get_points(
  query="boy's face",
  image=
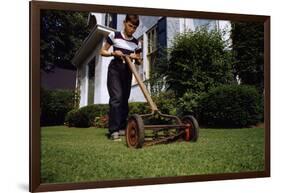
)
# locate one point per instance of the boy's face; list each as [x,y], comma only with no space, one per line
[129,28]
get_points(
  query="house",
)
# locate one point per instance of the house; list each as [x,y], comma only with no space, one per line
[154,32]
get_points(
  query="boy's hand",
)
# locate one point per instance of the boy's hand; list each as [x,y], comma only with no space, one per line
[134,56]
[118,53]
[137,58]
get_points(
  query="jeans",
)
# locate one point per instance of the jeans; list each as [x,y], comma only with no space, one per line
[119,80]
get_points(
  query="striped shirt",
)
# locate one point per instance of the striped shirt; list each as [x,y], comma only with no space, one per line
[126,46]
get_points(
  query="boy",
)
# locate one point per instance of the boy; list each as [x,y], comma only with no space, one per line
[119,77]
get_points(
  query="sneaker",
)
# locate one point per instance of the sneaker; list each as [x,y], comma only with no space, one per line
[122,132]
[115,136]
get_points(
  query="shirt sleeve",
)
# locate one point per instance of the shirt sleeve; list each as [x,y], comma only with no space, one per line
[139,47]
[110,38]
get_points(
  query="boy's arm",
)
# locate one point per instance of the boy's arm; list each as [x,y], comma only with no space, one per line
[105,51]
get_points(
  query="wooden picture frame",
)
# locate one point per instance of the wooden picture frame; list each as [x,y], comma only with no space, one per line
[35,134]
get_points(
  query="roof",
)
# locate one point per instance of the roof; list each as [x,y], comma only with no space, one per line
[96,35]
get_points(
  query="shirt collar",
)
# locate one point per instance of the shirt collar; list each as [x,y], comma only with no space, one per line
[123,35]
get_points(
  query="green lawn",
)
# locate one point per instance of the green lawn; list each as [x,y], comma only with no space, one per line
[85,154]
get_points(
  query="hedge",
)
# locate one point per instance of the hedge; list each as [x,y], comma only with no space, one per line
[54,106]
[231,106]
[188,104]
[96,115]
[224,106]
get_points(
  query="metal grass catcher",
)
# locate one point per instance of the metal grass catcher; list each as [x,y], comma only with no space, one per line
[145,130]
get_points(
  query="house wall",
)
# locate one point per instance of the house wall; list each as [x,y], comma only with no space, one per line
[173,28]
[101,93]
[120,19]
[146,22]
[145,61]
[185,24]
[83,70]
[136,94]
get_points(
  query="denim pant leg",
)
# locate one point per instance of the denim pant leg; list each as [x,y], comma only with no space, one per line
[119,86]
[126,83]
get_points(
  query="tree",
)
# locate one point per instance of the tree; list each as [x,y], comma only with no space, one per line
[61,34]
[198,62]
[248,47]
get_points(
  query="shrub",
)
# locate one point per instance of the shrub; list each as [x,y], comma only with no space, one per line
[96,115]
[231,106]
[198,62]
[86,116]
[77,118]
[54,106]
[101,122]
[188,104]
[166,102]
[95,110]
[138,108]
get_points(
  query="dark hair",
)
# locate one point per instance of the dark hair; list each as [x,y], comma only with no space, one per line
[134,19]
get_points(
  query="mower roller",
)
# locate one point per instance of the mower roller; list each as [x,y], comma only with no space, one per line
[139,134]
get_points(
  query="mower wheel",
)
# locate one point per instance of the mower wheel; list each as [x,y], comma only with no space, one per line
[192,126]
[135,132]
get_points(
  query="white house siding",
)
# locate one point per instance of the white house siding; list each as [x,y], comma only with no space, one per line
[185,24]
[145,61]
[98,72]
[136,94]
[101,93]
[146,22]
[173,28]
[120,19]
[101,66]
[84,85]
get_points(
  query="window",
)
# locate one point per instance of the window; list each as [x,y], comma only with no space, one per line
[139,68]
[152,47]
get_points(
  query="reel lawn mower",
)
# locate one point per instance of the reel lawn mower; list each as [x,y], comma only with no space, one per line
[140,132]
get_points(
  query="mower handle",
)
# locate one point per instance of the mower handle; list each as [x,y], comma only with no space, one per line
[141,84]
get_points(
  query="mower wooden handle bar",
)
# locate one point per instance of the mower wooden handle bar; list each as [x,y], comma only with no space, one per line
[141,84]
[154,109]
